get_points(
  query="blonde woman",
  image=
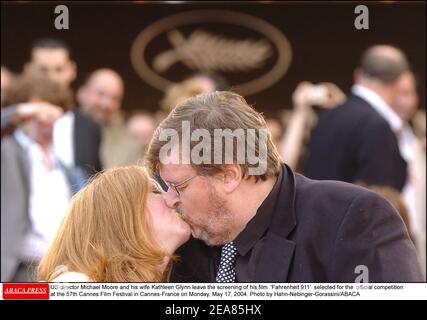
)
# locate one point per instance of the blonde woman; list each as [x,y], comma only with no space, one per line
[117,229]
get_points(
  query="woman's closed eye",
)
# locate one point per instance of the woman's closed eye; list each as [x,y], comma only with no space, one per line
[155,191]
[155,187]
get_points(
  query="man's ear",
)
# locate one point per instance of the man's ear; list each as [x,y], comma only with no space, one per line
[73,71]
[27,68]
[356,75]
[80,95]
[231,175]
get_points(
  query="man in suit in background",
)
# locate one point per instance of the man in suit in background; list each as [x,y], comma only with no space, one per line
[77,137]
[257,221]
[357,141]
[100,97]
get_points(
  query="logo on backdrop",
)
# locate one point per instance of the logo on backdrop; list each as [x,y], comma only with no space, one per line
[249,52]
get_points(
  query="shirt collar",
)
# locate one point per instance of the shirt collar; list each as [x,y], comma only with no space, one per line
[380,106]
[24,141]
[260,222]
[28,144]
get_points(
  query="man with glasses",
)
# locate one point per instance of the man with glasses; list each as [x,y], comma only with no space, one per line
[273,226]
[176,187]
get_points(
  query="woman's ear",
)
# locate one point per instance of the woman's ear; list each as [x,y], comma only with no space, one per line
[231,177]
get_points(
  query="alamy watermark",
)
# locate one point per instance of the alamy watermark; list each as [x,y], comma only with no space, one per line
[362,20]
[363,274]
[62,21]
[241,146]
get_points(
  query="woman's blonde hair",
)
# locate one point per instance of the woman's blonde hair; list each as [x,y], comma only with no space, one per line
[106,233]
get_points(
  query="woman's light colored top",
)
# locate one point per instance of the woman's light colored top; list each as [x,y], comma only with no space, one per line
[68,276]
[72,277]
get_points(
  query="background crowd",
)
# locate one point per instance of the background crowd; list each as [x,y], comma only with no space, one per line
[54,139]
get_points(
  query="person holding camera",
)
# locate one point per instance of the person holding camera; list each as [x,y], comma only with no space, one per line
[358,140]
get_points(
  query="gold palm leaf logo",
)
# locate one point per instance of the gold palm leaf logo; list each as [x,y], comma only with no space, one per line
[205,51]
[260,61]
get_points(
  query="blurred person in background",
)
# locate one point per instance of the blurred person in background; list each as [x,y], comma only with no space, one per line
[128,236]
[275,127]
[76,137]
[6,78]
[51,58]
[357,141]
[20,109]
[100,97]
[14,115]
[141,126]
[413,151]
[307,99]
[191,86]
[35,185]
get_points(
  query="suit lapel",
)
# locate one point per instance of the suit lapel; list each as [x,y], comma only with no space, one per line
[276,257]
[277,251]
[24,165]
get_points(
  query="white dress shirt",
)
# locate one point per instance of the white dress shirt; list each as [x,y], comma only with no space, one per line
[63,139]
[48,199]
[406,140]
[385,111]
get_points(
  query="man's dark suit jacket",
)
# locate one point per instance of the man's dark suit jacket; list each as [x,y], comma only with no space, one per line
[87,140]
[317,231]
[354,143]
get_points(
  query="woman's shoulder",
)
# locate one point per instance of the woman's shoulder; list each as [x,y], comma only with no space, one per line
[72,277]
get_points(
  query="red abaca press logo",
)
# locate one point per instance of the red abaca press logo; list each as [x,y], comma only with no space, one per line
[26,291]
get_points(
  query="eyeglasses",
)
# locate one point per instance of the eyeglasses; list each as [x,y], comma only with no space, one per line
[155,186]
[176,185]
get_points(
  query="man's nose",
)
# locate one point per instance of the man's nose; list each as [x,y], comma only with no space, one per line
[170,198]
[106,104]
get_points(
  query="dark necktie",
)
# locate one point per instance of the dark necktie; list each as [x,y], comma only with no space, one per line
[226,270]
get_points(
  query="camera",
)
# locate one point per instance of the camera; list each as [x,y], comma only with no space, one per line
[317,95]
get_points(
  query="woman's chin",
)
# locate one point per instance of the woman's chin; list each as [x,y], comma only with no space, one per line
[184,235]
[182,232]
